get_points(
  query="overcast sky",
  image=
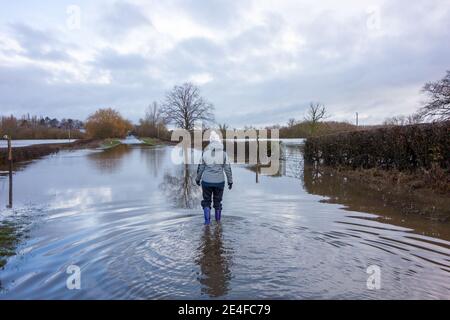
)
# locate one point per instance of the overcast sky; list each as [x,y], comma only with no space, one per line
[259,62]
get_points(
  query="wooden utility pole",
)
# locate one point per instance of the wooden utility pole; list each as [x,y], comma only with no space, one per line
[257,156]
[10,163]
[10,160]
[357,119]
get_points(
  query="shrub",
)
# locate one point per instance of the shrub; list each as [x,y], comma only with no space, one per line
[107,123]
[400,147]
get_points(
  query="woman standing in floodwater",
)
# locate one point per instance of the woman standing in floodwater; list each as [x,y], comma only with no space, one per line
[211,174]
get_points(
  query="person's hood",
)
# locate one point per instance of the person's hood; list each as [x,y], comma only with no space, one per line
[215,145]
[214,137]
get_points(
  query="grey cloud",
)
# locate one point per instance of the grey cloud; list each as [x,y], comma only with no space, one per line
[113,60]
[365,73]
[215,13]
[193,56]
[121,18]
[279,115]
[38,44]
[25,90]
[127,69]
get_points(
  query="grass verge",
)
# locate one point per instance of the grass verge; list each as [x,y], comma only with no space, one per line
[110,143]
[9,237]
[150,141]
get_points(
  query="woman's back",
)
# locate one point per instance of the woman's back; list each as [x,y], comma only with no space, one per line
[215,163]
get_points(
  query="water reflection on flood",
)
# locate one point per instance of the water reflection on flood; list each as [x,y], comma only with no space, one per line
[389,206]
[214,262]
[131,219]
[110,160]
[180,188]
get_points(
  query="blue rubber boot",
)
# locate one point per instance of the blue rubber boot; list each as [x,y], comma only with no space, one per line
[207,214]
[218,214]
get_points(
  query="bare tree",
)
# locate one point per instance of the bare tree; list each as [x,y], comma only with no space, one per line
[316,112]
[153,123]
[184,106]
[402,120]
[180,188]
[395,121]
[223,129]
[414,118]
[438,108]
[153,114]
[291,122]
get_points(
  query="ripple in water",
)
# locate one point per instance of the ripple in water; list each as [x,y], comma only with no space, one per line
[137,234]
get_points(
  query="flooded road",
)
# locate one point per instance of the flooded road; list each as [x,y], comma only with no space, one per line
[131,220]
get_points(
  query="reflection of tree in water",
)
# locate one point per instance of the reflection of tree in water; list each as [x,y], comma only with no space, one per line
[328,182]
[181,189]
[110,160]
[358,196]
[214,263]
[317,180]
[153,158]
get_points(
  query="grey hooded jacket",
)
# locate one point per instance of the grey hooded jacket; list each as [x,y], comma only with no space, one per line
[214,163]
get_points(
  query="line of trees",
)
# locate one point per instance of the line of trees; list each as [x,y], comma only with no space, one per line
[402,120]
[33,127]
[436,109]
[314,123]
[184,107]
[153,125]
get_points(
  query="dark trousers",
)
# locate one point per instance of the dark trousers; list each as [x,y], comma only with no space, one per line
[215,193]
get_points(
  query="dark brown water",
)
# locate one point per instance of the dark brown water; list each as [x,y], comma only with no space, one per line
[131,220]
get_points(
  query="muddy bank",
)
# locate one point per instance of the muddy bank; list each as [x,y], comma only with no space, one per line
[28,153]
[435,181]
[389,193]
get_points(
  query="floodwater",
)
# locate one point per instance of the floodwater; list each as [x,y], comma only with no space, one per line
[130,219]
[131,140]
[26,143]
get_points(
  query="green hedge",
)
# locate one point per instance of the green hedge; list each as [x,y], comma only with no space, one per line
[399,147]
